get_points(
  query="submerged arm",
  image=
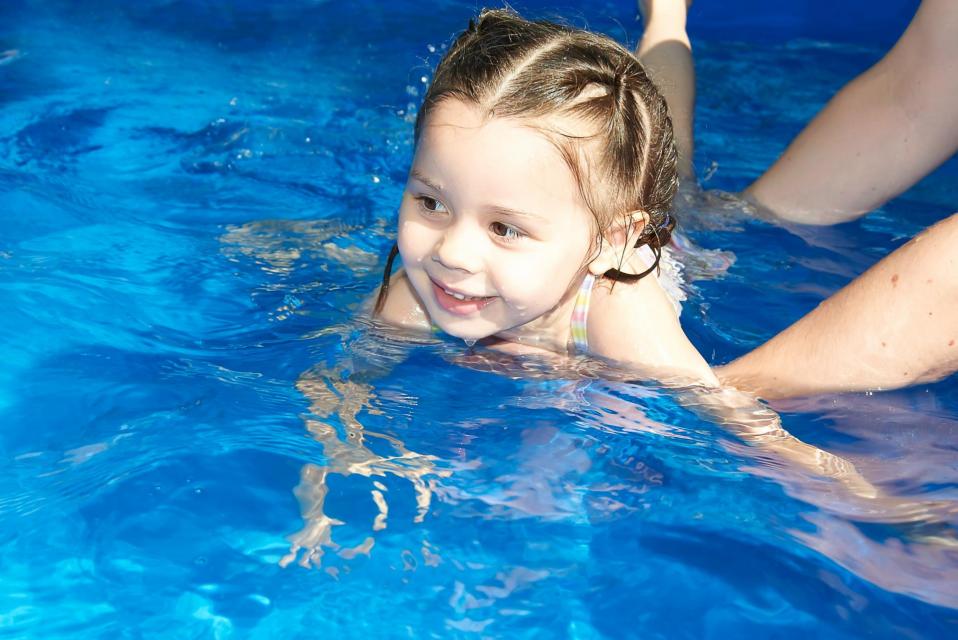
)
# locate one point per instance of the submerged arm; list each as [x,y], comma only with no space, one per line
[760,427]
[651,344]
[338,394]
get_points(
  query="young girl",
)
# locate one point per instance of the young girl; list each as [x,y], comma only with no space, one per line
[538,202]
[534,218]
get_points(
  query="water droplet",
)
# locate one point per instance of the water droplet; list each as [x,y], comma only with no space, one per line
[469,342]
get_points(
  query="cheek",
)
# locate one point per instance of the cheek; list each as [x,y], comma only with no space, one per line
[413,240]
[540,279]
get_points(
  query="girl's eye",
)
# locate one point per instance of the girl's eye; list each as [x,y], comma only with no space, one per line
[431,204]
[505,232]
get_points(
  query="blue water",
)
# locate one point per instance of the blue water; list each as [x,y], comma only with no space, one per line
[194,202]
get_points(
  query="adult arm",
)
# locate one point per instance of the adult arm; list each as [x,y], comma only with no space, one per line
[879,135]
[893,326]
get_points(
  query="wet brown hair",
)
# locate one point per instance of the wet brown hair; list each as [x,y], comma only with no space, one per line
[516,68]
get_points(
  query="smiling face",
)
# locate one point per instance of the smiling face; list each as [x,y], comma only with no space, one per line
[493,232]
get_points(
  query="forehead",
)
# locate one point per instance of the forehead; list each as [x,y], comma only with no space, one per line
[503,158]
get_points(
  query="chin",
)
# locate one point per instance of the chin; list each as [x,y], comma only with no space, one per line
[466,333]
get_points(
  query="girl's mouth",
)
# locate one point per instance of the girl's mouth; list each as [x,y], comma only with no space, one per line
[458,303]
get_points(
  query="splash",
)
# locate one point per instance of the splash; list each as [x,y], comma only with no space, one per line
[469,342]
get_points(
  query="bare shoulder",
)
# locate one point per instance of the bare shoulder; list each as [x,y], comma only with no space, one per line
[635,323]
[402,307]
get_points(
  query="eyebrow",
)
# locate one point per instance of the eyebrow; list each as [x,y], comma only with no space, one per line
[515,213]
[493,208]
[423,179]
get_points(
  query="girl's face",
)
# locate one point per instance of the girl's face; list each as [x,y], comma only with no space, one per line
[493,232]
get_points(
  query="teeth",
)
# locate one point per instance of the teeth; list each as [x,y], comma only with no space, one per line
[459,296]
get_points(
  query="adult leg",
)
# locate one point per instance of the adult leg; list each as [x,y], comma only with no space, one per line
[666,54]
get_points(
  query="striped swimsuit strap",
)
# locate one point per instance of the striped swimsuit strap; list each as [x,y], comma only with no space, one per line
[580,315]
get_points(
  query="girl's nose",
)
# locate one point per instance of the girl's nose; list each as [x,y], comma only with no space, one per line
[459,249]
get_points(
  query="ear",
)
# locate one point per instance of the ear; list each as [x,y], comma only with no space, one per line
[617,250]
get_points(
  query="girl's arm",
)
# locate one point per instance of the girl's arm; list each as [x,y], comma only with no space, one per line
[893,326]
[666,55]
[635,324]
[879,135]
[760,430]
[760,427]
[338,395]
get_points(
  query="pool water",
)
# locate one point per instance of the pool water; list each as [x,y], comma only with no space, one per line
[204,439]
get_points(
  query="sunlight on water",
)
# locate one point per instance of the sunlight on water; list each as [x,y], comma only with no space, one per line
[206,433]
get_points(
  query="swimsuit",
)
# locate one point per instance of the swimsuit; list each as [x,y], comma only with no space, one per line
[669,277]
[580,315]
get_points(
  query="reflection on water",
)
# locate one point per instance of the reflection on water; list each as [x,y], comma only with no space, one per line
[576,472]
[587,449]
[907,561]
[160,316]
[917,550]
[346,453]
[280,246]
